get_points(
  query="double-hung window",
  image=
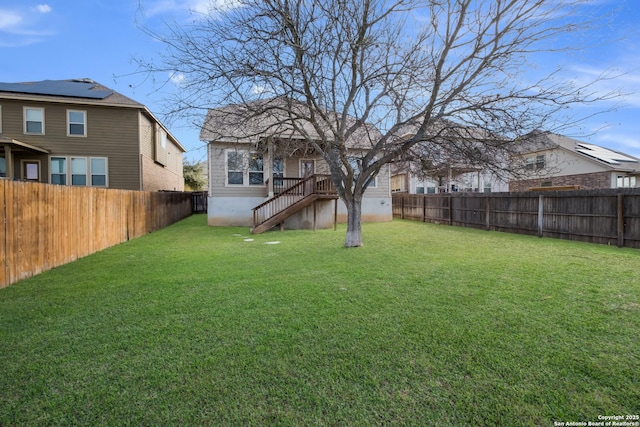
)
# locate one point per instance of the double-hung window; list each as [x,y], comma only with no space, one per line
[85,171]
[98,171]
[76,123]
[58,170]
[256,170]
[34,121]
[355,164]
[235,166]
[78,171]
[244,168]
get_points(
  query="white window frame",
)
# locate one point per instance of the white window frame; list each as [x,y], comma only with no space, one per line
[0,118]
[626,181]
[356,172]
[246,171]
[51,169]
[92,174]
[89,174]
[72,174]
[24,120]
[84,124]
[24,170]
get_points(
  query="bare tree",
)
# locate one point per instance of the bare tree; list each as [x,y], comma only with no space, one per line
[402,67]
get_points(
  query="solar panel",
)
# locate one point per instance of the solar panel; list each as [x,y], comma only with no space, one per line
[70,88]
[604,154]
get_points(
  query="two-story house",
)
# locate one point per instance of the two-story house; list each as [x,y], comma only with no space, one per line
[548,160]
[79,132]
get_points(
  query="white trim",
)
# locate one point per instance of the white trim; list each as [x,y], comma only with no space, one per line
[22,170]
[68,172]
[84,124]
[0,119]
[246,159]
[24,120]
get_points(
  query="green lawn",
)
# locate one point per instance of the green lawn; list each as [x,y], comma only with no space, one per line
[424,325]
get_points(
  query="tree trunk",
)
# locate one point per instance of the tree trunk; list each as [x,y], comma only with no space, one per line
[354,223]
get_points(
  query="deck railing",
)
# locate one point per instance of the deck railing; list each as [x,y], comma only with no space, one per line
[299,189]
[281,184]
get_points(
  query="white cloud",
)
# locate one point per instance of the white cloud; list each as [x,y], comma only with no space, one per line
[207,6]
[177,79]
[43,8]
[21,27]
[9,20]
[204,7]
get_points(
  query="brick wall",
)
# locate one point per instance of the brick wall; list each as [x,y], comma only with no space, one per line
[588,181]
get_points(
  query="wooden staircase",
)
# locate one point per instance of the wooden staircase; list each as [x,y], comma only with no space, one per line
[295,198]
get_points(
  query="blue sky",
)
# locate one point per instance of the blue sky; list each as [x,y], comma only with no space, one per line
[63,39]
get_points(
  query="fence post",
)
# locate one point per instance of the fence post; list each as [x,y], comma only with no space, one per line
[424,208]
[620,220]
[540,213]
[450,210]
[487,212]
[402,206]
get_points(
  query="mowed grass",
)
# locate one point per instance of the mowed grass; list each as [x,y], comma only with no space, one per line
[424,325]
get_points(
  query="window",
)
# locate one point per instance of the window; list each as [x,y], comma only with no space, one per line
[79,171]
[540,162]
[98,172]
[76,123]
[235,174]
[487,187]
[30,170]
[626,181]
[59,170]
[3,167]
[34,120]
[244,168]
[419,190]
[256,170]
[356,172]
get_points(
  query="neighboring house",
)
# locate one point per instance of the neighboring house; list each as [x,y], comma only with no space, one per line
[263,179]
[453,159]
[78,132]
[455,178]
[554,161]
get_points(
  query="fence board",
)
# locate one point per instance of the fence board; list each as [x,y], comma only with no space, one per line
[598,216]
[44,226]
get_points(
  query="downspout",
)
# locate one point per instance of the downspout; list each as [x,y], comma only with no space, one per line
[269,166]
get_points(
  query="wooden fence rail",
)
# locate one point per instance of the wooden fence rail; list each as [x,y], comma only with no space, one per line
[44,226]
[599,216]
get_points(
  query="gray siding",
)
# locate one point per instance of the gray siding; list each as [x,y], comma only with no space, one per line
[217,177]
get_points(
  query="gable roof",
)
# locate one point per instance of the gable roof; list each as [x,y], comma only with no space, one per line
[615,160]
[255,121]
[77,91]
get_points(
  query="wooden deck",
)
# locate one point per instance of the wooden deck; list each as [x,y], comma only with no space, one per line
[290,200]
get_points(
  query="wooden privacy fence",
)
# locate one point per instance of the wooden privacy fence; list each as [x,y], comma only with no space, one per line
[45,226]
[599,216]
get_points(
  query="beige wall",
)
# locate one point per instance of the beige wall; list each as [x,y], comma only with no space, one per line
[217,174]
